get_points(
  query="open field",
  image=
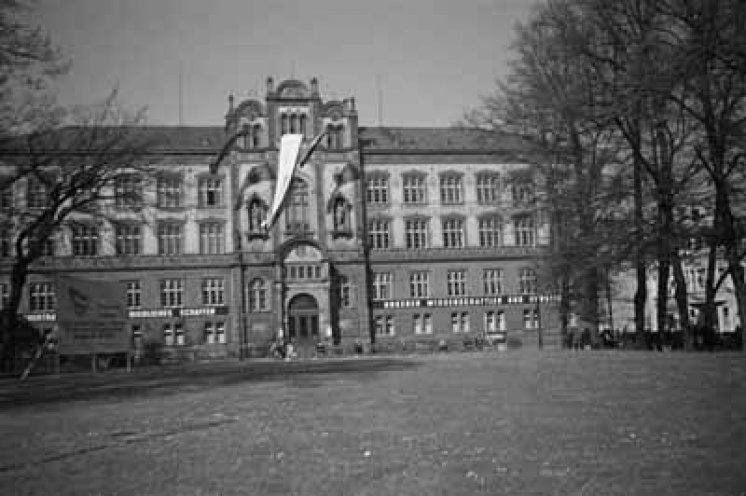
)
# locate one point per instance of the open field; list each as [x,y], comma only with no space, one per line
[593,423]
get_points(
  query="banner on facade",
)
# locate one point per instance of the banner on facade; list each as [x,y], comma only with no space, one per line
[290,158]
[91,316]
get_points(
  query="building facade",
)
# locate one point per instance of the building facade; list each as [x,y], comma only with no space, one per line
[388,235]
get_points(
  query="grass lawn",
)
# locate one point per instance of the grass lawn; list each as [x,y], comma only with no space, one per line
[521,422]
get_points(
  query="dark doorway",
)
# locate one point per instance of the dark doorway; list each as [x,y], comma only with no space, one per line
[303,321]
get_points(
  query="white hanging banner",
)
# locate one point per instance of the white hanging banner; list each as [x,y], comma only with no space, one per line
[289,151]
[289,148]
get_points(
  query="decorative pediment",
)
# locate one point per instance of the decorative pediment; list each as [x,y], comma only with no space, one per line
[292,88]
[304,253]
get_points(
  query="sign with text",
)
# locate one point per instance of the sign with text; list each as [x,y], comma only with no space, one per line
[91,316]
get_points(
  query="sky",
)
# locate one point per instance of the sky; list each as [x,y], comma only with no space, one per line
[431,59]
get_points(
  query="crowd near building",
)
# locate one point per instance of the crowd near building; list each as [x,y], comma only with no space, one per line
[388,234]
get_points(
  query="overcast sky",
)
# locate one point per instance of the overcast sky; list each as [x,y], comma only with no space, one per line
[433,57]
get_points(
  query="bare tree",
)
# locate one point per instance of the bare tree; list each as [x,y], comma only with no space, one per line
[28,62]
[551,97]
[63,179]
[711,66]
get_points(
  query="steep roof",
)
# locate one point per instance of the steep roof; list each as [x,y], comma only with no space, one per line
[389,138]
[440,138]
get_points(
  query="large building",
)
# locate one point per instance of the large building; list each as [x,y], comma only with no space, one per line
[389,235]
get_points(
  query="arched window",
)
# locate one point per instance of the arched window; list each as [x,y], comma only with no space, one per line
[250,137]
[258,301]
[297,210]
[334,136]
[284,124]
[257,212]
[528,281]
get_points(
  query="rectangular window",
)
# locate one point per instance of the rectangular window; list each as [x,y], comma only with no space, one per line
[494,321]
[345,292]
[527,281]
[417,233]
[384,325]
[493,281]
[6,194]
[258,296]
[456,282]
[4,294]
[128,191]
[172,293]
[46,246]
[378,234]
[381,286]
[414,190]
[169,238]
[490,231]
[460,322]
[209,192]
[6,242]
[84,240]
[488,189]
[419,284]
[422,323]
[173,335]
[523,193]
[211,238]
[169,191]
[524,231]
[451,190]
[377,189]
[453,233]
[128,239]
[213,292]
[37,196]
[530,319]
[490,321]
[214,332]
[168,335]
[41,297]
[134,294]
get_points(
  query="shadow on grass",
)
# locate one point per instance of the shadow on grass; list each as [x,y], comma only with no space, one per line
[174,380]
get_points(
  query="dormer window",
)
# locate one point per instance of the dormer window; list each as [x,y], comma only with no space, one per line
[293,122]
[334,136]
[249,137]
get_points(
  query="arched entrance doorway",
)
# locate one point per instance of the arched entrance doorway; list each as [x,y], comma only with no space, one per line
[303,320]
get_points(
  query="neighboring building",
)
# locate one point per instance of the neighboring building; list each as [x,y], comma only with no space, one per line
[387,234]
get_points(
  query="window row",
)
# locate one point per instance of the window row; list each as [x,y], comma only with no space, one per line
[489,189]
[129,192]
[86,239]
[460,322]
[453,232]
[42,296]
[456,283]
[174,335]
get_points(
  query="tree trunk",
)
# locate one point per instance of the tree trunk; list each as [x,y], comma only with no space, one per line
[641,293]
[9,315]
[681,295]
[709,310]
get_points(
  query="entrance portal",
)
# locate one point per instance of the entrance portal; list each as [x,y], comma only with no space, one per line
[303,320]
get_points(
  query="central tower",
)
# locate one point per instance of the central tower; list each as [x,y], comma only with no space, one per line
[306,275]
